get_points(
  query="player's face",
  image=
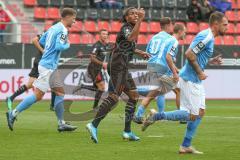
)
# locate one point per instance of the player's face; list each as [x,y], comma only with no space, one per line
[132,16]
[222,26]
[182,33]
[104,36]
[70,20]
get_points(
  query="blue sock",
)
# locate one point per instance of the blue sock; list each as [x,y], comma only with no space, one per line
[161,103]
[59,108]
[177,115]
[26,103]
[191,131]
[140,111]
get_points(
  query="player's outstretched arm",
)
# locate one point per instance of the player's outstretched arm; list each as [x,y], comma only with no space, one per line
[142,54]
[192,58]
[36,43]
[216,60]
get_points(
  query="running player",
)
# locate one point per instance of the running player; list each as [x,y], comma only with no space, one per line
[192,95]
[54,41]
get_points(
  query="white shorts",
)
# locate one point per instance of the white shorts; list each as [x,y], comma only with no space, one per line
[42,82]
[192,96]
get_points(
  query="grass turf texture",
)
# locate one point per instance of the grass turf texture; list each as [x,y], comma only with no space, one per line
[35,136]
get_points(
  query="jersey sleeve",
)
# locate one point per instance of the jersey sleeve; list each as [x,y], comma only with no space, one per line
[62,42]
[172,48]
[95,49]
[42,39]
[125,31]
[200,42]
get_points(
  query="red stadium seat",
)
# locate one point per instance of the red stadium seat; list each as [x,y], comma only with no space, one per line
[189,39]
[29,3]
[231,16]
[238,40]
[203,26]
[87,39]
[76,27]
[53,13]
[48,24]
[192,27]
[149,37]
[103,25]
[238,15]
[90,26]
[144,27]
[115,26]
[234,4]
[74,38]
[112,38]
[142,39]
[228,40]
[39,13]
[231,28]
[154,27]
[237,28]
[218,41]
[96,37]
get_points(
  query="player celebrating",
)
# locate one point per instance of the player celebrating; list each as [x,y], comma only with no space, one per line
[163,47]
[54,41]
[120,78]
[192,95]
[33,75]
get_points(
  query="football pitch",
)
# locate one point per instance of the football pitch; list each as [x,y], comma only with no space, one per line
[35,136]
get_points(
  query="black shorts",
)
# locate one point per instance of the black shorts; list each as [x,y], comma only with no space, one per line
[95,75]
[34,71]
[121,81]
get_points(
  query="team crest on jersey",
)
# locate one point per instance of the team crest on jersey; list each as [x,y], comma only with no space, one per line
[63,37]
[199,47]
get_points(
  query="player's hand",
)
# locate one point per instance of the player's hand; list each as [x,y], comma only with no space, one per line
[104,66]
[192,117]
[217,60]
[202,76]
[141,14]
[175,77]
[145,55]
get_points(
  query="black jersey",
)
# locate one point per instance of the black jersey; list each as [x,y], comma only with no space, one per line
[124,49]
[100,50]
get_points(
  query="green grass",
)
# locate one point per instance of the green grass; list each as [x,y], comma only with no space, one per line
[35,136]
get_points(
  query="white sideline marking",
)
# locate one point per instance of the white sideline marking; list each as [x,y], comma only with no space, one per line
[155,136]
[222,117]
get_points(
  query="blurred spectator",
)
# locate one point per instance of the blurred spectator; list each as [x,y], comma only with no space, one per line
[4,18]
[194,11]
[108,4]
[207,9]
[221,5]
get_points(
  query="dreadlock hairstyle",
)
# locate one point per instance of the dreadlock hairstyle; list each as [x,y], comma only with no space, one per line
[125,13]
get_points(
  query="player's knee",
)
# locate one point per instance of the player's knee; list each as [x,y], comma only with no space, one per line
[201,112]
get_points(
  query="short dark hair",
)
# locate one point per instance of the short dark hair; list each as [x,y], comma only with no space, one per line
[216,17]
[125,13]
[102,30]
[68,12]
[165,21]
[178,27]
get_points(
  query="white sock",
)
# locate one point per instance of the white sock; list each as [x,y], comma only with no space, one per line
[60,122]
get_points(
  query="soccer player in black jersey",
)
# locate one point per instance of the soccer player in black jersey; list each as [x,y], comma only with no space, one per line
[33,75]
[100,52]
[120,78]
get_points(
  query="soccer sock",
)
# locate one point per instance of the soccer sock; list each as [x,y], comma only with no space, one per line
[53,96]
[20,90]
[129,112]
[25,104]
[104,108]
[160,103]
[190,132]
[172,115]
[91,88]
[140,111]
[98,96]
[59,108]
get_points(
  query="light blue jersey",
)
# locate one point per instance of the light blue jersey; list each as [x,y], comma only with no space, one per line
[202,46]
[159,46]
[54,41]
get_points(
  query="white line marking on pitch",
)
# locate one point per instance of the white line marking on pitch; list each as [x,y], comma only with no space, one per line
[155,136]
[222,117]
